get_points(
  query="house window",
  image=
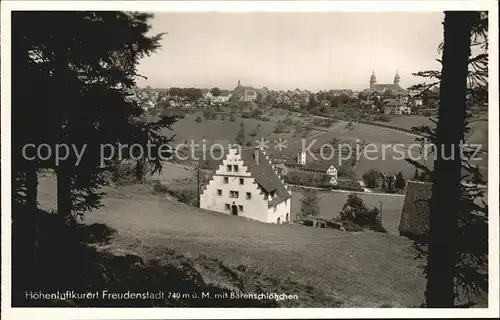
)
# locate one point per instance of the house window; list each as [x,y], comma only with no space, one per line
[228,206]
[240,208]
[229,168]
[275,208]
[242,181]
[233,194]
[219,192]
[286,202]
[226,180]
[249,196]
[235,168]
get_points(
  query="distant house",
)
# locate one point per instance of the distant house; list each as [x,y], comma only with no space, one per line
[224,96]
[246,184]
[247,94]
[370,104]
[394,106]
[281,169]
[323,167]
[186,104]
[301,158]
[250,95]
[325,103]
[207,95]
[414,221]
[287,99]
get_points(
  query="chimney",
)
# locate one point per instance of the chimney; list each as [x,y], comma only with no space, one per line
[256,154]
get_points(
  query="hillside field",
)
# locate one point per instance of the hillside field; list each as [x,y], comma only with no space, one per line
[327,267]
[384,159]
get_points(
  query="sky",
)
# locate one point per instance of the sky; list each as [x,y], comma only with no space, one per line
[309,50]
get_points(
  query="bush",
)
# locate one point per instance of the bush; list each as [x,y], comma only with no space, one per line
[279,128]
[232,118]
[184,195]
[355,212]
[223,117]
[123,173]
[288,121]
[207,114]
[256,113]
[198,119]
[371,178]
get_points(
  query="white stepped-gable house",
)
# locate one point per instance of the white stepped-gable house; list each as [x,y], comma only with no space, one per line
[246,184]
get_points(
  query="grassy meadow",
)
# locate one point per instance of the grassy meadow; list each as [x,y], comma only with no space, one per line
[324,267]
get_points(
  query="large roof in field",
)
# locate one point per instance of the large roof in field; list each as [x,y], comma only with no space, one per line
[415,212]
[263,172]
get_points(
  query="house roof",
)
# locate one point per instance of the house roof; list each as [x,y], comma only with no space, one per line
[242,89]
[415,211]
[392,102]
[263,173]
[388,86]
[320,165]
[303,175]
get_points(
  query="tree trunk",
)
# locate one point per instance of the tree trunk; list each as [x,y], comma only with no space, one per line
[64,203]
[445,201]
[31,187]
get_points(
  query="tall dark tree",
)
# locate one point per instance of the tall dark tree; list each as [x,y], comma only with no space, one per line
[309,205]
[457,242]
[446,192]
[400,182]
[240,136]
[67,94]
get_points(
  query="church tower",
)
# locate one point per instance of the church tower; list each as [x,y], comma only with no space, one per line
[397,78]
[373,80]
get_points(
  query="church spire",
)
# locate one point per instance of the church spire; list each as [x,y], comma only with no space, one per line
[397,78]
[373,79]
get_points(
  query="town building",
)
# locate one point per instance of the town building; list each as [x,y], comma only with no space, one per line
[301,158]
[381,88]
[246,184]
[242,93]
[323,167]
[223,97]
[325,103]
[206,94]
[396,106]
